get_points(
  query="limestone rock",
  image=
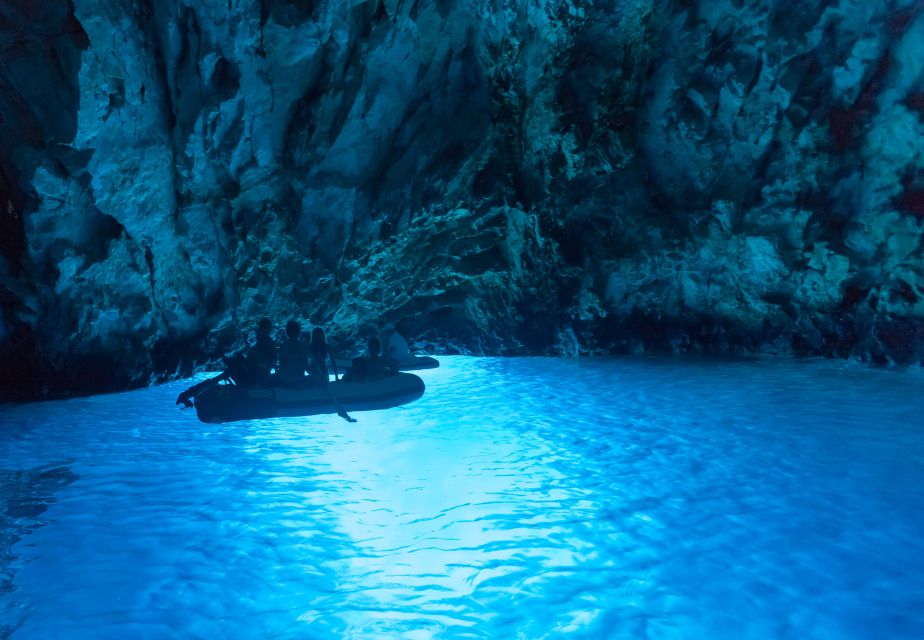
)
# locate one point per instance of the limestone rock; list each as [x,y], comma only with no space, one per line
[559,176]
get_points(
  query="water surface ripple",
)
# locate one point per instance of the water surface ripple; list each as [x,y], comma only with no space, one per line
[520,498]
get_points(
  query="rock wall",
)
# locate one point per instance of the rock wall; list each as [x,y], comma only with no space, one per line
[512,177]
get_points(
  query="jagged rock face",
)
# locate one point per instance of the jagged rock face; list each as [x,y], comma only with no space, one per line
[511,177]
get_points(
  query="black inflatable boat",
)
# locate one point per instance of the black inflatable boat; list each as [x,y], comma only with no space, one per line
[228,402]
[411,363]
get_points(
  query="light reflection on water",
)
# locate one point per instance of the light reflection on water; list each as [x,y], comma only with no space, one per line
[529,498]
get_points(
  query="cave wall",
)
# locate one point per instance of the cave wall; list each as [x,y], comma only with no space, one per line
[554,176]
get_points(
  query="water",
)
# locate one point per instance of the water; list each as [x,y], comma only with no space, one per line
[525,498]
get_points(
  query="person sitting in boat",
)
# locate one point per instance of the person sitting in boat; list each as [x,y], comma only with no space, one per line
[293,358]
[372,366]
[318,355]
[262,356]
[396,348]
[254,369]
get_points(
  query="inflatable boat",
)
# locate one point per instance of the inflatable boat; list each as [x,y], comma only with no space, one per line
[411,363]
[228,402]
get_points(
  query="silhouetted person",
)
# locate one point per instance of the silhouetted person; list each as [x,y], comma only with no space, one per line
[262,356]
[293,357]
[372,366]
[396,348]
[318,356]
[240,370]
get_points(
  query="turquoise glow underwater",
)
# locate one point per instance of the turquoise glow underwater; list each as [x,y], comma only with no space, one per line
[520,498]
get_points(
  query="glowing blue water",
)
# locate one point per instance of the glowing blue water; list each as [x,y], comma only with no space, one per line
[527,498]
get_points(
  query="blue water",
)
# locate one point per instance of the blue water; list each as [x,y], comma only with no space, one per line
[523,498]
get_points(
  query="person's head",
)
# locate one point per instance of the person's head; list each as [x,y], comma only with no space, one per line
[293,329]
[374,346]
[265,327]
[389,328]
